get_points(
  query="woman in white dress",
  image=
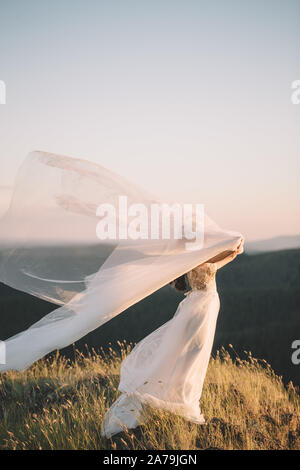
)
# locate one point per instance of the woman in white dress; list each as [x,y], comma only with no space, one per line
[51,250]
[167,368]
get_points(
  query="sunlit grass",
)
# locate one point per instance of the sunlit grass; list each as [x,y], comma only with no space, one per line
[58,404]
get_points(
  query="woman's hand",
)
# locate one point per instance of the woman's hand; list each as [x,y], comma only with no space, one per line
[240,248]
[219,264]
[227,256]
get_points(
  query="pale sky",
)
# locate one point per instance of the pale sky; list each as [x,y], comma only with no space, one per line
[190,99]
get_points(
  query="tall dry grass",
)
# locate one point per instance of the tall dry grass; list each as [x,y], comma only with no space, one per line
[57,404]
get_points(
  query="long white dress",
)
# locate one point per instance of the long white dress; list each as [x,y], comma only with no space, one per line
[167,368]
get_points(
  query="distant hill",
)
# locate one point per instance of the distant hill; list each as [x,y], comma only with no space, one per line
[260,311]
[273,244]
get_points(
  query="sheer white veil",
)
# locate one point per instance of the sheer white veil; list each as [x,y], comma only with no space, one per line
[49,249]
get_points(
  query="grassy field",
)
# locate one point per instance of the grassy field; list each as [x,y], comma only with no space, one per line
[59,404]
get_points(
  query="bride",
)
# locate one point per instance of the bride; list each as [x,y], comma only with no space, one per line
[167,368]
[50,250]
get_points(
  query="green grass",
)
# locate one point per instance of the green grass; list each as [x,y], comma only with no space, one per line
[58,404]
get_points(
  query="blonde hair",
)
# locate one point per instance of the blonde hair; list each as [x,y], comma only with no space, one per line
[200,276]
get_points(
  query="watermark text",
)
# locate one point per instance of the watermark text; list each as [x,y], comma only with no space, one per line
[295,96]
[156,221]
[2,352]
[296,354]
[2,92]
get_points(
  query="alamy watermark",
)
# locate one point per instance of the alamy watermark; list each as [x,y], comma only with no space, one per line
[2,352]
[295,96]
[156,221]
[2,92]
[296,354]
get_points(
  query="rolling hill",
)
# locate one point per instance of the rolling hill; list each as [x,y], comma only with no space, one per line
[287,242]
[260,311]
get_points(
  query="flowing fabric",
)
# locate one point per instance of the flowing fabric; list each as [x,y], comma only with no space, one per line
[167,368]
[50,250]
